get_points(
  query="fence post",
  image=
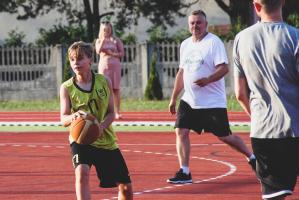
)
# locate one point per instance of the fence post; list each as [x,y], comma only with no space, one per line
[58,49]
[144,65]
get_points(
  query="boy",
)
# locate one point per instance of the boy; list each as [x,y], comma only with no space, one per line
[91,93]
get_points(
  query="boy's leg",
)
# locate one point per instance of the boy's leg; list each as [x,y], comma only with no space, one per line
[125,191]
[82,182]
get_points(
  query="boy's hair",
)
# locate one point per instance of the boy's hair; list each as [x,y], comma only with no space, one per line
[271,5]
[199,12]
[81,48]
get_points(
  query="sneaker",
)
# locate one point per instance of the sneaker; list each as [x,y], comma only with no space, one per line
[118,116]
[252,163]
[180,177]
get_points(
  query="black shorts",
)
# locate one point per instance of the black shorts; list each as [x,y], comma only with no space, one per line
[110,165]
[277,165]
[213,120]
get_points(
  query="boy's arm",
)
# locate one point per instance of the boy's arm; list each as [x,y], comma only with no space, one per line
[65,108]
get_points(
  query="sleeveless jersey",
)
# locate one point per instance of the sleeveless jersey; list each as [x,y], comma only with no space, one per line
[94,102]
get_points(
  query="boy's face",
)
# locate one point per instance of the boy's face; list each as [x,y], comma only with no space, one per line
[80,63]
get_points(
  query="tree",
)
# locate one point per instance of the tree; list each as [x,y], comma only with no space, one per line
[157,11]
[243,9]
[235,9]
[33,8]
[153,89]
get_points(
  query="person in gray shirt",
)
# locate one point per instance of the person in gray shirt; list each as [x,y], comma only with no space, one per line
[266,70]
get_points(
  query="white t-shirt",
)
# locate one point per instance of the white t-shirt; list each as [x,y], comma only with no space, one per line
[199,59]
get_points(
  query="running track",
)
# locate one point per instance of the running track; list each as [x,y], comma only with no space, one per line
[37,166]
[127,116]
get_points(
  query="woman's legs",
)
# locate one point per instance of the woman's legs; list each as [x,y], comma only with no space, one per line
[116,94]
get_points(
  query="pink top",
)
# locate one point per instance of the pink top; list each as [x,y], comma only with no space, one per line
[109,65]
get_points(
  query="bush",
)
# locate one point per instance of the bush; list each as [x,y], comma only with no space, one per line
[67,70]
[293,20]
[153,89]
[15,39]
[158,34]
[235,29]
[60,34]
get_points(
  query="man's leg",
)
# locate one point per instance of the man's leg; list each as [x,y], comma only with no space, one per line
[183,151]
[236,143]
[183,146]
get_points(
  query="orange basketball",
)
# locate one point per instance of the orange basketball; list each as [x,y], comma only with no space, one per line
[84,130]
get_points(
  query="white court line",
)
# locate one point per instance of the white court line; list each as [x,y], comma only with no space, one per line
[232,168]
[120,123]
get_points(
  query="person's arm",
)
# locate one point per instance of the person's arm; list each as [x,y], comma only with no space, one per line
[120,48]
[242,93]
[119,53]
[110,114]
[178,86]
[66,117]
[99,45]
[220,72]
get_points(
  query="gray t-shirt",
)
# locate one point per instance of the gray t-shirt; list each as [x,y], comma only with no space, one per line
[267,54]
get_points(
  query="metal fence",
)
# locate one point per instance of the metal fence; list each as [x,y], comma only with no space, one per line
[28,73]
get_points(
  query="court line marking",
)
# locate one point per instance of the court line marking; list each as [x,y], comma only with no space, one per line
[115,123]
[232,168]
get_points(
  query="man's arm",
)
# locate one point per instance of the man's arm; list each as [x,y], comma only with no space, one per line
[221,71]
[178,86]
[242,93]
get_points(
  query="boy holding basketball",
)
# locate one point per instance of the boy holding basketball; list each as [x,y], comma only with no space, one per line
[90,93]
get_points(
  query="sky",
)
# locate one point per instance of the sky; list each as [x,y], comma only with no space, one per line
[31,26]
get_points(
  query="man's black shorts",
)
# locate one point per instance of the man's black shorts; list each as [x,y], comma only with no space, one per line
[277,165]
[213,120]
[110,165]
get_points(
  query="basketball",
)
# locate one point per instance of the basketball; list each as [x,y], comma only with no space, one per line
[84,130]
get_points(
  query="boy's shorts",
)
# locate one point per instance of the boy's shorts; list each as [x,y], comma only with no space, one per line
[110,165]
[213,120]
[277,165]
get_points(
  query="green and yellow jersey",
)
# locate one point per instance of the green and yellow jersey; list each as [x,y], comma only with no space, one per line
[94,102]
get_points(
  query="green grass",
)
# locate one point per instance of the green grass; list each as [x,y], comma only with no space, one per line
[126,105]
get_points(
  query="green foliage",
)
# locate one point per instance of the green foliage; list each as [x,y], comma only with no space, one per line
[158,12]
[67,70]
[293,20]
[60,34]
[129,39]
[153,89]
[14,39]
[158,34]
[127,104]
[235,29]
[181,35]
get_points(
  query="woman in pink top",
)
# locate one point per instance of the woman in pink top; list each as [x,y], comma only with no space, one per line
[111,50]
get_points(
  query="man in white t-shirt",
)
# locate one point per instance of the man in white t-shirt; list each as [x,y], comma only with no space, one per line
[203,64]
